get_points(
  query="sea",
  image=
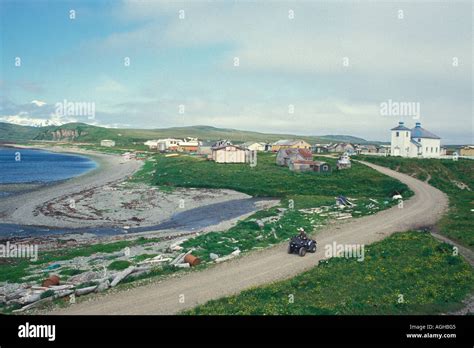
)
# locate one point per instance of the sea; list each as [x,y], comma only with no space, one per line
[38,167]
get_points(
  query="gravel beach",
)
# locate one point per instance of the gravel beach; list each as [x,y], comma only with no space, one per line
[104,198]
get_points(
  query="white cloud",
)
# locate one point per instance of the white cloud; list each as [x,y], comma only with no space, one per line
[38,103]
[108,85]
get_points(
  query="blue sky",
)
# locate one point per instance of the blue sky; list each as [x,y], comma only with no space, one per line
[402,56]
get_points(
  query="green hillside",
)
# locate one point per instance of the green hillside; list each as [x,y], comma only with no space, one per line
[81,132]
[455,178]
[13,132]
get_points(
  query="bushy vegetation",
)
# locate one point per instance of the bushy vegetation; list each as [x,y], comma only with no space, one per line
[450,177]
[407,273]
[119,265]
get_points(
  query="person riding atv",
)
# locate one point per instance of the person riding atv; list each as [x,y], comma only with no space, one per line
[301,244]
[302,234]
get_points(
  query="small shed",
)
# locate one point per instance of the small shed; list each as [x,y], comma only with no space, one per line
[284,156]
[229,154]
[309,166]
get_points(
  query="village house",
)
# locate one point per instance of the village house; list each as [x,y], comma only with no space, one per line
[188,145]
[107,143]
[229,154]
[152,144]
[467,151]
[366,149]
[284,156]
[168,144]
[320,148]
[415,142]
[342,147]
[290,144]
[309,166]
[254,146]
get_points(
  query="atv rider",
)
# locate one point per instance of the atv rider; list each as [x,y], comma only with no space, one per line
[302,234]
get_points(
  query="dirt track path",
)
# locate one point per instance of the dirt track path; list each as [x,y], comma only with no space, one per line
[258,268]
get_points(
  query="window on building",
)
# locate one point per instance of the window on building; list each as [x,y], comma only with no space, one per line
[431,149]
[407,134]
[398,134]
[436,149]
[427,149]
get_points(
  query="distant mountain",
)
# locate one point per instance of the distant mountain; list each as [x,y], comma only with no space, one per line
[81,132]
[344,138]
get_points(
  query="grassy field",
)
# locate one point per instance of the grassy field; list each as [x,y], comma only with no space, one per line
[448,176]
[269,180]
[407,273]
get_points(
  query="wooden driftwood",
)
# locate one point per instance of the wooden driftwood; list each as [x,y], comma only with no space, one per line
[34,304]
[122,275]
[84,291]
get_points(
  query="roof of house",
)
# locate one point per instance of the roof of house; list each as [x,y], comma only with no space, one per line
[284,142]
[419,132]
[416,143]
[401,126]
[305,153]
[228,145]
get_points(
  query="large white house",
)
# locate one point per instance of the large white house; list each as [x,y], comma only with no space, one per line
[415,142]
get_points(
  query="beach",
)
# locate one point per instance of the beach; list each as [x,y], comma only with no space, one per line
[104,198]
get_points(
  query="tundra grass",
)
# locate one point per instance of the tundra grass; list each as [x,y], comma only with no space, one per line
[406,273]
[270,180]
[119,265]
[450,177]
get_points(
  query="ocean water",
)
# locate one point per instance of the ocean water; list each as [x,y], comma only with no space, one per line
[28,166]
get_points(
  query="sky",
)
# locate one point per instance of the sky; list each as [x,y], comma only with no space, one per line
[300,67]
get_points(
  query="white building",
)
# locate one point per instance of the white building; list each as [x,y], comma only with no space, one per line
[229,154]
[163,144]
[254,146]
[415,142]
[107,143]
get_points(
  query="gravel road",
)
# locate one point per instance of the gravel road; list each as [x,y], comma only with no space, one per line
[269,265]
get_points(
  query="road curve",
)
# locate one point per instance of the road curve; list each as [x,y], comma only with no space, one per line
[172,295]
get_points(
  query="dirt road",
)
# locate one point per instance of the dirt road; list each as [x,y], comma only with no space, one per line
[186,291]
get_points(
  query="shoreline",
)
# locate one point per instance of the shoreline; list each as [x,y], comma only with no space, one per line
[15,189]
[109,206]
[19,209]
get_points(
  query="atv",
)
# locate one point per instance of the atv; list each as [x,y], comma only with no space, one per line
[301,245]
